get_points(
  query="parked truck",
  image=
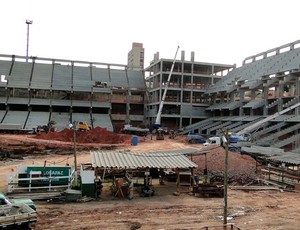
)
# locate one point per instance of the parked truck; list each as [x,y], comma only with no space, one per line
[234,144]
[5,201]
[129,129]
[16,213]
[195,138]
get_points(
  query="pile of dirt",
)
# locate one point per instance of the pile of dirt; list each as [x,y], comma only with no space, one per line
[241,168]
[97,135]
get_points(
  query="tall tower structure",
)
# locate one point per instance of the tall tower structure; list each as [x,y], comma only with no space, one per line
[135,60]
[28,22]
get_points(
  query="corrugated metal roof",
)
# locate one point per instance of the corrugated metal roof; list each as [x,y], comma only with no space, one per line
[262,151]
[134,160]
[287,157]
[274,154]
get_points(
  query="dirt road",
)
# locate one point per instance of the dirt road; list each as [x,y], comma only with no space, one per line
[262,210]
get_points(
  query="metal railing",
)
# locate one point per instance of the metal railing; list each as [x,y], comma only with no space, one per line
[30,183]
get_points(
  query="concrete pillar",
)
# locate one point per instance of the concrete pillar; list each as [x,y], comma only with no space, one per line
[241,112]
[192,56]
[182,55]
[297,87]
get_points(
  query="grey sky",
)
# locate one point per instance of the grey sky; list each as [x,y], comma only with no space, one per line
[103,31]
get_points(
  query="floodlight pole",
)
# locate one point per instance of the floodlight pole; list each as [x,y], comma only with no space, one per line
[28,22]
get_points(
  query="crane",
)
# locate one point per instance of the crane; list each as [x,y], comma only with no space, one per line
[157,124]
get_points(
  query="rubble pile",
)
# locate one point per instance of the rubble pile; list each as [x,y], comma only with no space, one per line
[97,135]
[241,168]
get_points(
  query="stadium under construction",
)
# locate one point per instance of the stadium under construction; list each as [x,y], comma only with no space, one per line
[201,97]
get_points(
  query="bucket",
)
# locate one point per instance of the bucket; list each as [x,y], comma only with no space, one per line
[134,140]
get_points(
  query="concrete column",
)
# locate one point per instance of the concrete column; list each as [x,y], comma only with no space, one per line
[241,112]
[192,56]
[297,87]
[182,55]
[253,95]
[265,96]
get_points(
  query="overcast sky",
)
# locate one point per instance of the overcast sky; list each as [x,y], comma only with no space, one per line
[221,31]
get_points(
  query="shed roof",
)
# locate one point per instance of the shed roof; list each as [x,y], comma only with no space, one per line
[288,158]
[273,154]
[135,160]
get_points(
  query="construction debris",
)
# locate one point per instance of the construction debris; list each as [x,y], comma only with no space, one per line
[85,199]
[241,168]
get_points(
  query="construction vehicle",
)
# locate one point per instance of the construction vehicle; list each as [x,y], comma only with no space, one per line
[45,128]
[100,84]
[157,123]
[172,134]
[160,135]
[234,144]
[83,126]
[129,129]
[16,213]
[195,138]
[14,129]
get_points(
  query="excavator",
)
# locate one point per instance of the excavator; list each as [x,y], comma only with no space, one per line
[157,130]
[45,128]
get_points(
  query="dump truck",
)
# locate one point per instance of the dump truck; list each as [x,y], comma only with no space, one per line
[16,213]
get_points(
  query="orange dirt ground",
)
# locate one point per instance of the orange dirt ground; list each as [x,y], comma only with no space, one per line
[250,210]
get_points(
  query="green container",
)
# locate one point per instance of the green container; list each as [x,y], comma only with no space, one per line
[88,190]
[49,171]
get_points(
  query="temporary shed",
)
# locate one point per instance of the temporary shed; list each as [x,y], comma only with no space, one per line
[114,162]
[137,160]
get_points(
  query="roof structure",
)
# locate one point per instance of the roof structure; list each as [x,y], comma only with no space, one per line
[138,160]
[273,154]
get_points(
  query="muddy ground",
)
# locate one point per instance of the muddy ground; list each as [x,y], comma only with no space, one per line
[255,209]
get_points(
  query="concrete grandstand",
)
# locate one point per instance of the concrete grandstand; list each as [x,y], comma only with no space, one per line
[41,90]
[202,97]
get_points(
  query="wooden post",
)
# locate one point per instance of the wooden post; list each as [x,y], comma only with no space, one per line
[161,176]
[193,178]
[75,154]
[177,180]
[226,178]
